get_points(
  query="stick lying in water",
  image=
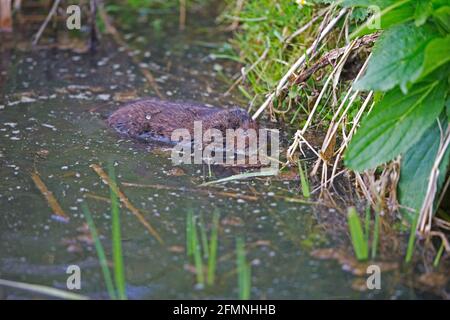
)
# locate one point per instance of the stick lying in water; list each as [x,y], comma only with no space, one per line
[126,202]
[164,187]
[51,200]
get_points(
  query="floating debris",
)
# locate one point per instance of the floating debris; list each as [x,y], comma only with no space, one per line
[49,126]
[51,200]
[126,202]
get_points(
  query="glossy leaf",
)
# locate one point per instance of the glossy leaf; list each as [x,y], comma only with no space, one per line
[367,3]
[395,124]
[397,13]
[397,57]
[423,11]
[416,168]
[442,17]
[437,53]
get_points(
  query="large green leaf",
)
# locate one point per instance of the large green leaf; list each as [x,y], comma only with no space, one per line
[416,168]
[424,9]
[397,57]
[366,3]
[395,124]
[442,17]
[395,13]
[437,53]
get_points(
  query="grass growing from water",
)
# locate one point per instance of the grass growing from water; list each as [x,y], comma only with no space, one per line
[375,236]
[197,255]
[304,183]
[411,241]
[243,270]
[437,259]
[213,243]
[359,240]
[119,274]
[100,252]
[195,246]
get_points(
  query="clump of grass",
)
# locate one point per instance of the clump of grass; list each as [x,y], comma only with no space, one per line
[243,270]
[265,27]
[119,274]
[202,248]
[193,247]
[359,240]
[100,252]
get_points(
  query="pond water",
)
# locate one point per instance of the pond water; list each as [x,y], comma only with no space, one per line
[53,104]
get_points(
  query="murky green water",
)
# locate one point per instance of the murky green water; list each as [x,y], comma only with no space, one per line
[46,125]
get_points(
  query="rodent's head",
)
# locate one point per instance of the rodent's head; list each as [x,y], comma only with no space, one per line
[238,118]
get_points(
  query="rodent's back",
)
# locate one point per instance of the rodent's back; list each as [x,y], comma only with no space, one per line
[161,118]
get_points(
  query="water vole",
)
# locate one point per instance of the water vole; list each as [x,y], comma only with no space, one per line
[158,118]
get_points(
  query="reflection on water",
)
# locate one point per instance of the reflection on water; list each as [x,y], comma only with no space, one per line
[52,114]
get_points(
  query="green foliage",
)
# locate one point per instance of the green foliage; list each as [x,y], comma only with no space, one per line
[359,240]
[416,166]
[398,57]
[119,272]
[410,64]
[100,251]
[395,124]
[195,246]
[411,241]
[392,13]
[366,3]
[437,259]
[212,256]
[266,25]
[304,183]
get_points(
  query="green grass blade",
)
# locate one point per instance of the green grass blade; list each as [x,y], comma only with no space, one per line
[189,236]
[119,273]
[304,183]
[243,270]
[197,255]
[100,252]
[203,237]
[212,257]
[367,224]
[437,259]
[357,235]
[48,291]
[242,176]
[411,241]
[375,236]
